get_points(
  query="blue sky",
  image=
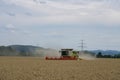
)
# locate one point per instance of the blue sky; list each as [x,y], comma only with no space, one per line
[61,23]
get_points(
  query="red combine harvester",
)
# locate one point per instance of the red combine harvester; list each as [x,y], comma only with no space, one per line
[66,54]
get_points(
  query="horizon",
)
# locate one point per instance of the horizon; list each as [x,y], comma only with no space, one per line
[59,48]
[61,23]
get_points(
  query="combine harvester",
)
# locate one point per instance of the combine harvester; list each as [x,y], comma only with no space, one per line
[66,54]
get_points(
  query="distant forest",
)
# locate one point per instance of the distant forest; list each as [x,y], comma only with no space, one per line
[8,51]
[100,55]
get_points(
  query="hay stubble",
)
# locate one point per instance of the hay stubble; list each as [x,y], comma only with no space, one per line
[33,68]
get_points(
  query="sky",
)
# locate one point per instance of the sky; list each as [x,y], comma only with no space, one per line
[61,23]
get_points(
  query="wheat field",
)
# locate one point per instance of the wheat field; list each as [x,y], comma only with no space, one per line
[35,68]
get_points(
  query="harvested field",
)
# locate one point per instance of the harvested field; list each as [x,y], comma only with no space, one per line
[34,68]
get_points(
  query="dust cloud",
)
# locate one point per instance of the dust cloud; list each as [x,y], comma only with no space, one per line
[47,52]
[86,56]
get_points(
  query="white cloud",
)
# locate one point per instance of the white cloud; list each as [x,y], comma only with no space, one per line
[65,11]
[11,28]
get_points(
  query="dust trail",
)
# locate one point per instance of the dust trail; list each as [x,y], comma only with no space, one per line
[86,56]
[47,52]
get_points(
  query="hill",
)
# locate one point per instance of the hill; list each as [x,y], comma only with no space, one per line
[25,50]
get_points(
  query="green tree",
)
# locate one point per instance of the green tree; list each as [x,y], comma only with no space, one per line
[99,55]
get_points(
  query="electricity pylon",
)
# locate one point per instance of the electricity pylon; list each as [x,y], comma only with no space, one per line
[82,45]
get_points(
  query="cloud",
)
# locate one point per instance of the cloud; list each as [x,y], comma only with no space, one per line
[65,11]
[54,34]
[61,6]
[40,1]
[11,28]
[28,13]
[10,13]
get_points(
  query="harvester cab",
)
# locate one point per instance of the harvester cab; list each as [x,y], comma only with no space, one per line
[66,52]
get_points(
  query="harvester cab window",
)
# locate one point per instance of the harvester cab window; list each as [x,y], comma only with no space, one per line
[64,53]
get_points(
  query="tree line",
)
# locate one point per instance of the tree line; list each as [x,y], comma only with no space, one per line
[100,55]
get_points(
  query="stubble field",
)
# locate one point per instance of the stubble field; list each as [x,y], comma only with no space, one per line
[34,68]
